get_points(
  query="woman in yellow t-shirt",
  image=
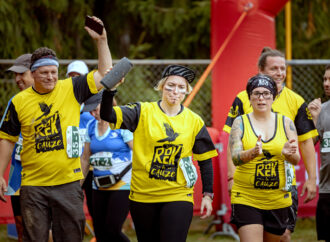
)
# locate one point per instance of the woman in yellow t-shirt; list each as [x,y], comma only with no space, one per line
[166,135]
[260,142]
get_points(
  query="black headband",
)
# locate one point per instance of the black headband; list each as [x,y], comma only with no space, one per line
[177,70]
[261,81]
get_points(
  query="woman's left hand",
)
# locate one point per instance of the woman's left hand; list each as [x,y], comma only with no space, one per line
[289,148]
[206,204]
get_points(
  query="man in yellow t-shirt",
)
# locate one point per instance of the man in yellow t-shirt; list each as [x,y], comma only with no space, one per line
[23,80]
[47,116]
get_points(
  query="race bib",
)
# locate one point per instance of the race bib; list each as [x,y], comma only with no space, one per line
[325,143]
[101,159]
[18,150]
[189,171]
[289,174]
[82,133]
[73,142]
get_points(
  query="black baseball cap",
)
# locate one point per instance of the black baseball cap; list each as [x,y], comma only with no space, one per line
[21,64]
[91,103]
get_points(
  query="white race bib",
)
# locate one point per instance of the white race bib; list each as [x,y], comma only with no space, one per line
[289,174]
[325,142]
[189,171]
[18,150]
[73,142]
[101,159]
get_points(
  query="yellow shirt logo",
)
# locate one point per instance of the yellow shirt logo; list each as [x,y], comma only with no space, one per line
[309,115]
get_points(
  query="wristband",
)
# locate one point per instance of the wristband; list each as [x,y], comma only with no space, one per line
[112,92]
[209,194]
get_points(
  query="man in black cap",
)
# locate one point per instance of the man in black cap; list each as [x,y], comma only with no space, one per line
[21,68]
[23,79]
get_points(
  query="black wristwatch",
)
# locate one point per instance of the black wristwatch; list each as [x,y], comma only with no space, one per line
[209,194]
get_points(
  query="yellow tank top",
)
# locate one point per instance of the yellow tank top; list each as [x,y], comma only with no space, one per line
[259,182]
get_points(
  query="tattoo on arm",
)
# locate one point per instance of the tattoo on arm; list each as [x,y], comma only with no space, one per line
[292,127]
[235,142]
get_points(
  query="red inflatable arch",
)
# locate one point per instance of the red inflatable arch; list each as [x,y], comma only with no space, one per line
[239,59]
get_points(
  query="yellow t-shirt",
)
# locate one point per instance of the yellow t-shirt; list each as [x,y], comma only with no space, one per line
[259,182]
[160,142]
[287,103]
[43,120]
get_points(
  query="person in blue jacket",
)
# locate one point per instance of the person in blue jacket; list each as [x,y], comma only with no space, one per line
[110,154]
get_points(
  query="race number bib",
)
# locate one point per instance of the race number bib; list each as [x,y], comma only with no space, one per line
[325,143]
[189,171]
[101,159]
[82,133]
[18,150]
[289,174]
[73,142]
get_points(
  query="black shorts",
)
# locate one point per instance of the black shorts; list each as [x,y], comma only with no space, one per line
[293,209]
[16,205]
[274,221]
[322,217]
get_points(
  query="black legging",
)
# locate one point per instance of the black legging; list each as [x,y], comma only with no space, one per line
[110,209]
[161,222]
[87,186]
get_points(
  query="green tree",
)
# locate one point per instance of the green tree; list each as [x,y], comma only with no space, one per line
[310,29]
[160,29]
[27,25]
[157,29]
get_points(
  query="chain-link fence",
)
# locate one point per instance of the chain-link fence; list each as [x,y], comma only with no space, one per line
[139,83]
[307,78]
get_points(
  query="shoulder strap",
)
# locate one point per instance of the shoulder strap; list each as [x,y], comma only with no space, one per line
[123,172]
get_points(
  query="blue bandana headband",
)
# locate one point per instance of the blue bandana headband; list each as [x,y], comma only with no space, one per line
[44,62]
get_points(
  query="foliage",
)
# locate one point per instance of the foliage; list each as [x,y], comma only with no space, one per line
[176,29]
[27,25]
[310,29]
[159,29]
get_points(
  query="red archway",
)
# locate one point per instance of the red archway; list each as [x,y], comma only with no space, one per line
[239,59]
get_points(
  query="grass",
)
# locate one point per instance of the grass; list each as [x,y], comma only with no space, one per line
[305,231]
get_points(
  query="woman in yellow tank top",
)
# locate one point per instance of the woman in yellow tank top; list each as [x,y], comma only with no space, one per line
[259,143]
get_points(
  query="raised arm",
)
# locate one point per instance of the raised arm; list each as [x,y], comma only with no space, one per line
[104,55]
